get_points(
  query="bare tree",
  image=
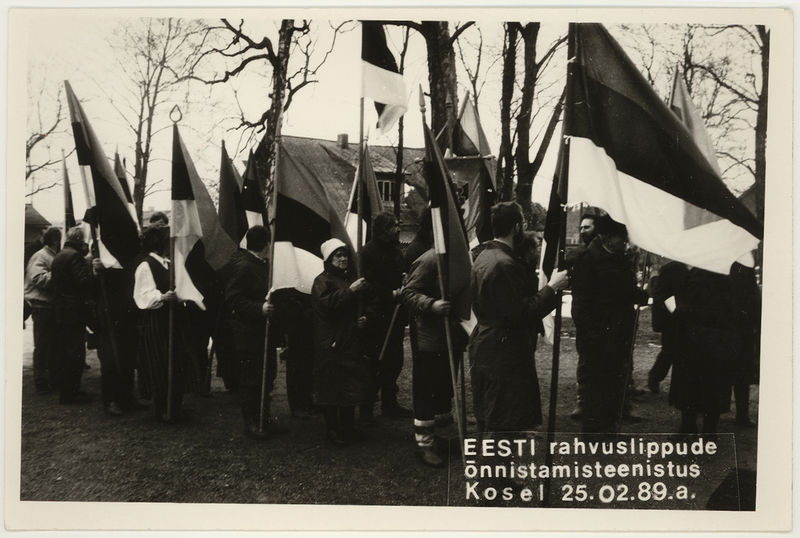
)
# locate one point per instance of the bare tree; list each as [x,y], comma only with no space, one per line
[505,158]
[155,56]
[479,64]
[527,170]
[293,57]
[45,120]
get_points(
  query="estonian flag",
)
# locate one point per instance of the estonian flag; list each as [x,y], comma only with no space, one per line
[372,200]
[201,245]
[631,156]
[69,212]
[255,209]
[473,164]
[449,237]
[114,217]
[304,219]
[231,211]
[119,171]
[381,78]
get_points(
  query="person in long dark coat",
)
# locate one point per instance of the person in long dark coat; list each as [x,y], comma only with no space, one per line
[702,372]
[667,284]
[747,303]
[246,296]
[342,376]
[508,307]
[72,282]
[383,267]
[604,293]
[152,295]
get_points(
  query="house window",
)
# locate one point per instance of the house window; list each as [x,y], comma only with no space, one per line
[385,188]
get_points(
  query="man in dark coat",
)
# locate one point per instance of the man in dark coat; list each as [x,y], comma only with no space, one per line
[72,283]
[382,264]
[604,293]
[508,307]
[747,304]
[587,232]
[666,286]
[245,295]
[117,337]
[702,372]
[431,383]
[296,326]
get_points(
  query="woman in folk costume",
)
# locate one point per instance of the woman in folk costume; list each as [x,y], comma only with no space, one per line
[152,295]
[342,377]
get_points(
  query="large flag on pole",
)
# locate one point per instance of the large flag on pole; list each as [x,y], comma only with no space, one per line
[304,219]
[471,162]
[255,209]
[114,218]
[201,245]
[381,78]
[231,212]
[69,212]
[373,204]
[119,171]
[449,237]
[631,156]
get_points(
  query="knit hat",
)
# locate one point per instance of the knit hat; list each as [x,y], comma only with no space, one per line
[330,246]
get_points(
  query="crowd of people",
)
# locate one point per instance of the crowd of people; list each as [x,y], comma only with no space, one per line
[343,344]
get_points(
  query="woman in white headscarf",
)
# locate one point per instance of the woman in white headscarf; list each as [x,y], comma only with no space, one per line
[342,377]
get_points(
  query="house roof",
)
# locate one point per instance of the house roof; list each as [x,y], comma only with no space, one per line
[34,219]
[336,164]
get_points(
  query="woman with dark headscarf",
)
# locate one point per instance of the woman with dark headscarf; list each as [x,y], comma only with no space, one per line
[342,377]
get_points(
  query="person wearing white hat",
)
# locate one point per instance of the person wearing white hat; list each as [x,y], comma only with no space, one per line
[342,378]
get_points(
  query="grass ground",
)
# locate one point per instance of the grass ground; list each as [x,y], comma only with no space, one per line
[78,453]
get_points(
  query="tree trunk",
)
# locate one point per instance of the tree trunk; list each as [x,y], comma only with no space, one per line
[265,153]
[761,124]
[441,73]
[139,180]
[525,172]
[505,160]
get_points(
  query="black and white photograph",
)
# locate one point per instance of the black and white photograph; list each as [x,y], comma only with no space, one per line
[327,269]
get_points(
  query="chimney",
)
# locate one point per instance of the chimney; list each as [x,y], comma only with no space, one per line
[341,140]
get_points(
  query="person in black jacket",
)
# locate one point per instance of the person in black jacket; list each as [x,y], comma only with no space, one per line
[246,297]
[604,293]
[431,384]
[72,283]
[383,268]
[709,345]
[342,375]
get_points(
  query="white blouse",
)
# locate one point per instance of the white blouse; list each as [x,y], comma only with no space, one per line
[145,292]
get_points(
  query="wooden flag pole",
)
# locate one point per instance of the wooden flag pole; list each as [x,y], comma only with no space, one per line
[271,264]
[629,371]
[171,337]
[563,186]
[438,233]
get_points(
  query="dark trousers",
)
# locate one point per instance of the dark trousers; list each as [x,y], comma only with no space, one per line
[44,346]
[299,373]
[117,360]
[388,369]
[70,353]
[431,385]
[251,369]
